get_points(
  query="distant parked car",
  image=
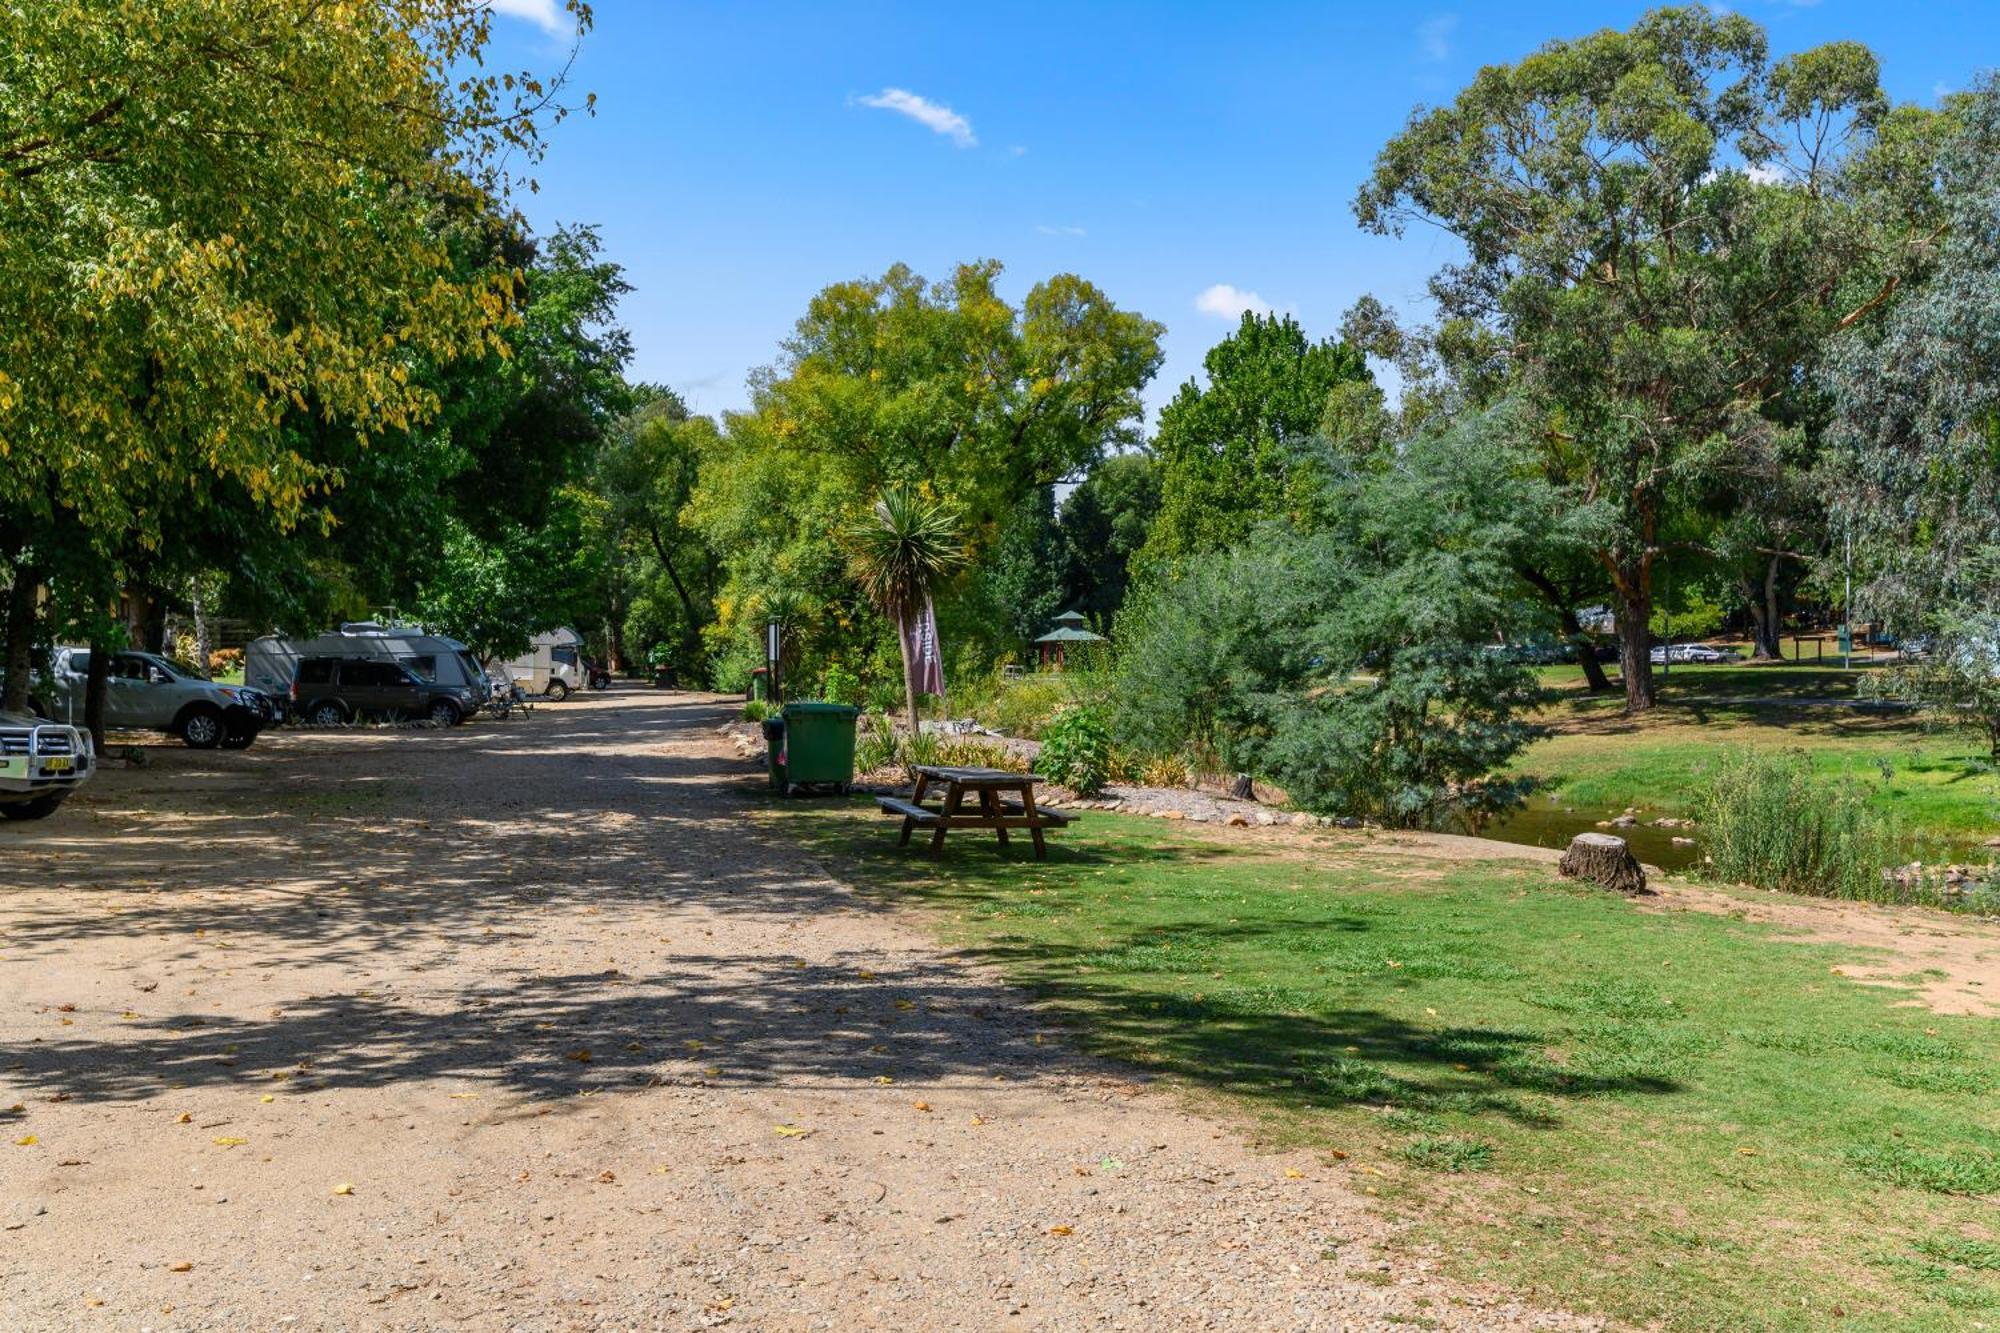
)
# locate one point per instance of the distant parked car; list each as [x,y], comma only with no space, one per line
[330,691]
[41,763]
[146,692]
[1692,653]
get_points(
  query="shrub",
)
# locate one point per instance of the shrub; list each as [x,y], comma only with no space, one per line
[1076,750]
[875,749]
[920,750]
[1025,706]
[1771,823]
[1167,770]
[966,752]
[839,685]
[1448,1152]
[756,710]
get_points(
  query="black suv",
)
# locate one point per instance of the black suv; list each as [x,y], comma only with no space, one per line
[328,691]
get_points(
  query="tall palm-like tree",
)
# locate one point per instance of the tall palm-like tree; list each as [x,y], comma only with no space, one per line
[909,546]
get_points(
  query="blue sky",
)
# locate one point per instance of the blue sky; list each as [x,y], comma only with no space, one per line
[1185,157]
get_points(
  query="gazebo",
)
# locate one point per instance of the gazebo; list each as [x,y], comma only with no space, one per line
[1070,627]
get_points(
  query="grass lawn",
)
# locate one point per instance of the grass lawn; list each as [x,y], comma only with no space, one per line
[1669,1117]
[1941,782]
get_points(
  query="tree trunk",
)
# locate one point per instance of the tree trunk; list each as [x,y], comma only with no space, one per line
[1586,652]
[1603,859]
[95,686]
[1775,648]
[691,632]
[20,639]
[204,649]
[909,674]
[1633,609]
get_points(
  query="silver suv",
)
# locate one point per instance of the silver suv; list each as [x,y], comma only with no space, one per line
[146,692]
[41,763]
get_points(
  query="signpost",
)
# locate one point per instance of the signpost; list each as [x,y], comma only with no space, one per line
[774,635]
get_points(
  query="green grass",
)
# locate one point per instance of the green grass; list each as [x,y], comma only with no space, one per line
[1940,783]
[1671,1118]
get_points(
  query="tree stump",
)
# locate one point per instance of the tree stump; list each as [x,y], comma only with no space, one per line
[1240,789]
[1603,859]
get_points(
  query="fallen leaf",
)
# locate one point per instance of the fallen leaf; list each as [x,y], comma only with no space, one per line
[230,1143]
[26,1141]
[343,1188]
[1746,1152]
[182,1267]
[922,1106]
[464,1096]
[1293,1173]
[884,1079]
[267,1097]
[1062,1231]
[791,1131]
[865,976]
[906,1004]
[978,1120]
[581,1055]
[184,1119]
[606,1177]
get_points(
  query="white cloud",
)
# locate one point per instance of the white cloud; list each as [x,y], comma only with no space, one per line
[1046,230]
[1434,37]
[544,14]
[1764,173]
[933,116]
[1227,302]
[1941,90]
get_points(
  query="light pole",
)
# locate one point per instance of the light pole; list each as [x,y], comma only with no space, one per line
[774,637]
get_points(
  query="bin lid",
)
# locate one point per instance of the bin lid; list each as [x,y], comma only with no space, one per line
[822,710]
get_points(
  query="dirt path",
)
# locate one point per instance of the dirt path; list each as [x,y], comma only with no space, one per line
[523,1026]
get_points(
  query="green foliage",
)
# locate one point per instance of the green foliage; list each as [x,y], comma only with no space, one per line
[872,396]
[1026,578]
[1076,750]
[839,685]
[875,749]
[1357,674]
[1103,525]
[1958,682]
[1655,295]
[755,710]
[1226,449]
[1768,820]
[1449,1153]
[496,595]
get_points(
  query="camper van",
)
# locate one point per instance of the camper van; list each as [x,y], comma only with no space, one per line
[271,663]
[553,665]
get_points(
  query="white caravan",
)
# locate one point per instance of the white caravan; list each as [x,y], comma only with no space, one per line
[553,665]
[271,663]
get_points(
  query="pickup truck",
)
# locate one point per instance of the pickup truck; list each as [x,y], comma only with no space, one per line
[146,692]
[41,763]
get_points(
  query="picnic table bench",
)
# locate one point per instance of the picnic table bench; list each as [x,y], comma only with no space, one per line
[1003,801]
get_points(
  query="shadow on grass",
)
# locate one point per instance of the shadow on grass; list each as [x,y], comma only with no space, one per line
[1150,992]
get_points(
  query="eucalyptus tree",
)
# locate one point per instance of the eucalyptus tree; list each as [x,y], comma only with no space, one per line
[1659,236]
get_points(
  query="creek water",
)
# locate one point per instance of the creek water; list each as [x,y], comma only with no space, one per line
[1546,822]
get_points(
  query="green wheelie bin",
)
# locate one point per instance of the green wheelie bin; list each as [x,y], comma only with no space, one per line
[818,741]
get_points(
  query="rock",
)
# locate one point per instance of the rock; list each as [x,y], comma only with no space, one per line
[1176,814]
[1603,859]
[1347,821]
[1239,821]
[1265,819]
[1683,842]
[1625,820]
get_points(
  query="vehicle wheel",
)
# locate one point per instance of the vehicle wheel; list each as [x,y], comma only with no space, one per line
[557,690]
[444,713]
[202,729]
[327,714]
[39,808]
[239,740]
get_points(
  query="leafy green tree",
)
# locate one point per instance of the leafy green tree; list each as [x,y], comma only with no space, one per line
[1026,578]
[1649,292]
[1915,438]
[497,593]
[1353,663]
[646,473]
[1224,447]
[1103,525]
[896,382]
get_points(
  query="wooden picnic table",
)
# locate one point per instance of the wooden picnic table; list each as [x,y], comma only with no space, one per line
[991,789]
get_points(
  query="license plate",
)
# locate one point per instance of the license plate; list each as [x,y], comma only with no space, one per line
[59,764]
[13,768]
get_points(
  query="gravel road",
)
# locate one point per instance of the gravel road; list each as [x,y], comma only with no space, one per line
[526,1025]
